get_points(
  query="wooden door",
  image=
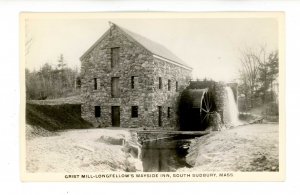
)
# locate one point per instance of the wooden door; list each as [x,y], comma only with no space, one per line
[115,116]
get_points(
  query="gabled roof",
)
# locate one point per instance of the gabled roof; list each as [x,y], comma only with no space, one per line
[153,47]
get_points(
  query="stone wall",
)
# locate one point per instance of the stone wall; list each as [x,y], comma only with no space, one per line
[220,95]
[134,60]
[163,97]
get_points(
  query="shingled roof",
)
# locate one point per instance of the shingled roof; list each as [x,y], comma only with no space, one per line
[153,47]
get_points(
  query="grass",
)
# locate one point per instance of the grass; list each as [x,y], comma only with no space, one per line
[76,99]
[269,111]
[55,117]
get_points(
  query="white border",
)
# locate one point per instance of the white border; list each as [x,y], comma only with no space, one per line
[9,164]
[237,176]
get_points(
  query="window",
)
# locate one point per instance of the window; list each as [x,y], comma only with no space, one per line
[159,116]
[115,88]
[159,83]
[169,85]
[95,84]
[134,82]
[134,111]
[169,112]
[176,85]
[97,111]
[115,57]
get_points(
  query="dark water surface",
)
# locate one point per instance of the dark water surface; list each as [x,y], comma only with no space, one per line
[165,155]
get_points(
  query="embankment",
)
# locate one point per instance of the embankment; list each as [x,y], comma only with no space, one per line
[244,148]
[59,140]
[55,117]
[86,150]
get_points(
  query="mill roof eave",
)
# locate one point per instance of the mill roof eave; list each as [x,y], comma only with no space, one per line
[157,50]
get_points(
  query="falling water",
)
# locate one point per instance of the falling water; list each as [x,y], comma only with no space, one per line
[231,116]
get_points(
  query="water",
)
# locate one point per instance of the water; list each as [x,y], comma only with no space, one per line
[165,155]
[231,113]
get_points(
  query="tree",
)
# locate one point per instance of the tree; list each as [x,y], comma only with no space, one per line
[61,62]
[274,70]
[249,73]
[258,72]
[50,82]
[268,73]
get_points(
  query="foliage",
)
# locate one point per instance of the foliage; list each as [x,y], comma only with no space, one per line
[49,82]
[268,73]
[258,74]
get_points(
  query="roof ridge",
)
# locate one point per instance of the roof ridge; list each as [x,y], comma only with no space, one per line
[153,47]
[130,33]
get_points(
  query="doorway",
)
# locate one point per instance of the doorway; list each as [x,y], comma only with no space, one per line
[115,116]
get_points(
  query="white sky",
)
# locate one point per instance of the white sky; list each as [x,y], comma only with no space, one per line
[210,46]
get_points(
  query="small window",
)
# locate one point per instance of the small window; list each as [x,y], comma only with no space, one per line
[115,88]
[169,85]
[159,116]
[97,111]
[159,83]
[176,85]
[169,112]
[95,84]
[115,56]
[134,82]
[134,111]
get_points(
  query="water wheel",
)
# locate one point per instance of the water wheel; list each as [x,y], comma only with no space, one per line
[196,107]
[207,109]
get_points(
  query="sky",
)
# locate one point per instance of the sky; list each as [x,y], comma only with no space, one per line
[211,46]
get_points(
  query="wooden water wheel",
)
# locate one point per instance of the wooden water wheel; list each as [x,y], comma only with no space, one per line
[196,107]
[206,107]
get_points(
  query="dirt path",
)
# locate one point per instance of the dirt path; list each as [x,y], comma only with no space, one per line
[83,151]
[244,148]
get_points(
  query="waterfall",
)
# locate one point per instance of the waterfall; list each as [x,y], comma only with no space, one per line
[231,113]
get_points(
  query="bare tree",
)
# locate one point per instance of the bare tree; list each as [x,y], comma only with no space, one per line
[258,72]
[249,72]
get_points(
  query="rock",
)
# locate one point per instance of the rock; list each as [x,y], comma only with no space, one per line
[134,165]
[111,140]
[215,121]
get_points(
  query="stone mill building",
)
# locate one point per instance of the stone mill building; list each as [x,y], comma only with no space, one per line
[131,81]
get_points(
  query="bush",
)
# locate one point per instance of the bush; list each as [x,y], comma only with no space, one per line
[272,109]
